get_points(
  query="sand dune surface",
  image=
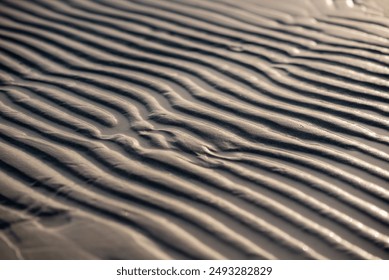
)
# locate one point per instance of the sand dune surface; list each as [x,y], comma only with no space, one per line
[194,129]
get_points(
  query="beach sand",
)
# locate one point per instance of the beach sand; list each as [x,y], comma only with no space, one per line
[145,129]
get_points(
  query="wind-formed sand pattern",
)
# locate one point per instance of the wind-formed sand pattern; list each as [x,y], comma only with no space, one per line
[141,129]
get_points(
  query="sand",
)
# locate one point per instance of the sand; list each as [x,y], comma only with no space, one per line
[194,129]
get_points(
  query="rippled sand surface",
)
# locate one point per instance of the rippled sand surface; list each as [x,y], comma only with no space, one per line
[251,129]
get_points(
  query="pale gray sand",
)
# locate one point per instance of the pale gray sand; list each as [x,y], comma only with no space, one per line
[251,129]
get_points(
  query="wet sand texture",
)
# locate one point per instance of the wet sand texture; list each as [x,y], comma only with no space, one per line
[253,129]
